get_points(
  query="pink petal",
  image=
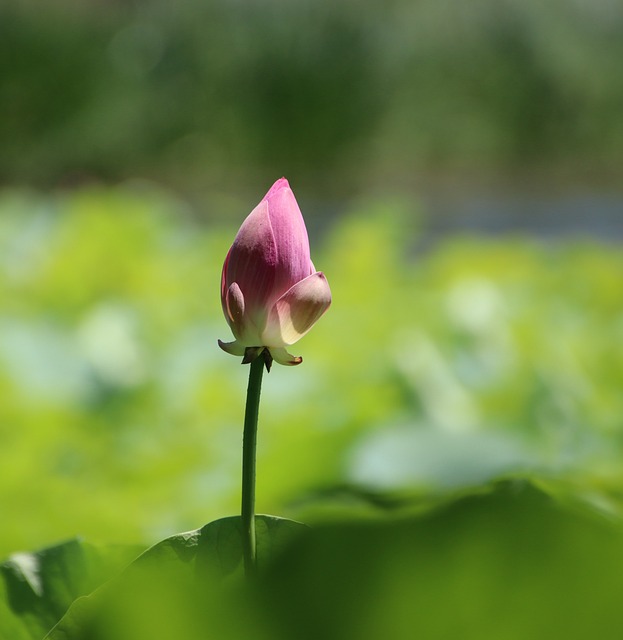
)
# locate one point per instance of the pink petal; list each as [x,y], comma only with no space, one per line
[234,305]
[240,321]
[270,252]
[294,314]
[282,183]
[251,259]
[224,284]
[293,261]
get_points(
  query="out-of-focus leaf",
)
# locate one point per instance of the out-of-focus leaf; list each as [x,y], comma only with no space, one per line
[36,589]
[177,586]
[403,457]
[505,565]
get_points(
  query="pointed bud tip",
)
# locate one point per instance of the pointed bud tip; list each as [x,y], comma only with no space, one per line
[282,183]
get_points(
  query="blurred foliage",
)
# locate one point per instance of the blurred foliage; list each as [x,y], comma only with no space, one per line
[36,589]
[336,93]
[505,563]
[434,371]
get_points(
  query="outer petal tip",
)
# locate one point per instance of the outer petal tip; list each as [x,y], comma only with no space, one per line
[234,348]
[283,357]
[282,183]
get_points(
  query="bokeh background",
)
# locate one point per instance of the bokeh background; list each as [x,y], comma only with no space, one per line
[459,166]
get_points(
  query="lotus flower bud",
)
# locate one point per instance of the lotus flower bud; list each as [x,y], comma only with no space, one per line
[271,293]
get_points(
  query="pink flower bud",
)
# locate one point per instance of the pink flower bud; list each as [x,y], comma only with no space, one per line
[271,293]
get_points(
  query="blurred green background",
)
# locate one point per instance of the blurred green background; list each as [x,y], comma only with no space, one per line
[459,166]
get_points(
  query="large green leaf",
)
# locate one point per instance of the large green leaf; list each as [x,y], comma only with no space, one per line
[509,563]
[506,563]
[36,589]
[174,587]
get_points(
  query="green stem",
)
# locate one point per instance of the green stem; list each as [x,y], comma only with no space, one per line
[249,445]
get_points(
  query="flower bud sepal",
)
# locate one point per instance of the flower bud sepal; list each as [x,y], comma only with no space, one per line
[251,353]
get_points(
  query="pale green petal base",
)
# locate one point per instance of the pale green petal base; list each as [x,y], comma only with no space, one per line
[248,354]
[283,357]
[234,348]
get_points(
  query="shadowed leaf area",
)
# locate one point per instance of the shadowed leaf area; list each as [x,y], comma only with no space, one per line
[507,563]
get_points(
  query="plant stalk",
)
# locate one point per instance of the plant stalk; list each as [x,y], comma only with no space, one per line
[249,446]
